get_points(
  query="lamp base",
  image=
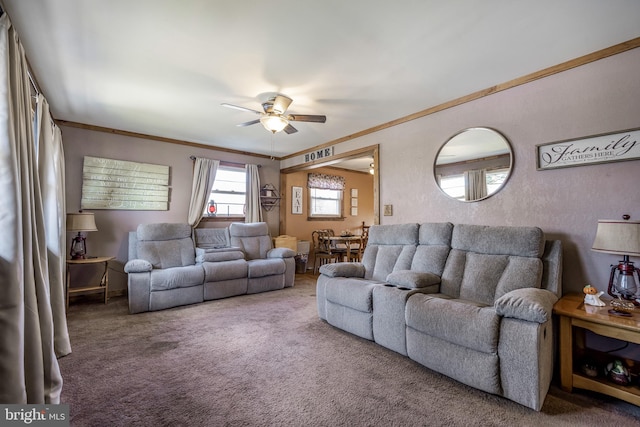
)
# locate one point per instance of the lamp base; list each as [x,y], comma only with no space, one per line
[78,247]
[622,283]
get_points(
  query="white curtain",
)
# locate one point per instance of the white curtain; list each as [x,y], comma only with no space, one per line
[28,366]
[204,175]
[253,211]
[50,156]
[475,184]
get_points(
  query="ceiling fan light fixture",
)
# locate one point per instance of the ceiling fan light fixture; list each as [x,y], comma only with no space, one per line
[274,123]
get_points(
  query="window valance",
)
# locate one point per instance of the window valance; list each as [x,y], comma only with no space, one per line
[326,182]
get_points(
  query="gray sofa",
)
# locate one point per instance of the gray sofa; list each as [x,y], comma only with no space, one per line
[471,302]
[168,268]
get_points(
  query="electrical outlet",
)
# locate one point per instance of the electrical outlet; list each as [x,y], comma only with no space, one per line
[388,210]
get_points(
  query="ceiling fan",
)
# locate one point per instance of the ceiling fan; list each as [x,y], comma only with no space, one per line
[274,118]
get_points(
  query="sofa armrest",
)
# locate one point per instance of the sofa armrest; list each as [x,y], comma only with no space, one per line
[412,279]
[343,269]
[530,304]
[281,253]
[138,266]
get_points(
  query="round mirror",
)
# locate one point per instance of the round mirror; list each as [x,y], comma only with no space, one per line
[473,164]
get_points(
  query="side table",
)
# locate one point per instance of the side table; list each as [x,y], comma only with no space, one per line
[575,319]
[104,281]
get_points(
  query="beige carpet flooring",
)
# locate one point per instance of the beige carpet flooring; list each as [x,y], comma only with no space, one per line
[267,360]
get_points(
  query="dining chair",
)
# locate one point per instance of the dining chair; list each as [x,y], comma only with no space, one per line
[322,250]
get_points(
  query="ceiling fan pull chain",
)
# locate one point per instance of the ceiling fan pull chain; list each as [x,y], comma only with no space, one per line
[273,135]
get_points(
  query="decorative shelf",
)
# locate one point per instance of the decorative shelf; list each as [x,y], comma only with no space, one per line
[269,197]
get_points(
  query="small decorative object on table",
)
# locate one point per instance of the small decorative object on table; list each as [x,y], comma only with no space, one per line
[618,373]
[592,296]
[620,307]
[589,368]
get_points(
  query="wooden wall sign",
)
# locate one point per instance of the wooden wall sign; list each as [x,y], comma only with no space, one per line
[120,184]
[613,147]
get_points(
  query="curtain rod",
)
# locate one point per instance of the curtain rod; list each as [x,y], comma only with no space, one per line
[225,163]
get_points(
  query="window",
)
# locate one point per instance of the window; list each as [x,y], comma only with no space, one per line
[228,196]
[325,203]
[495,179]
[453,185]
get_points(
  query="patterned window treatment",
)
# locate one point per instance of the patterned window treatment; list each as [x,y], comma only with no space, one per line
[326,182]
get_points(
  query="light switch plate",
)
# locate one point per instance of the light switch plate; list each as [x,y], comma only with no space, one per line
[388,210]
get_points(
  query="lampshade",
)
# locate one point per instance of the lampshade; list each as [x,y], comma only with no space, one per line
[617,237]
[81,222]
[274,123]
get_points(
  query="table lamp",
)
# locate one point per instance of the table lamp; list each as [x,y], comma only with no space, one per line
[80,222]
[620,237]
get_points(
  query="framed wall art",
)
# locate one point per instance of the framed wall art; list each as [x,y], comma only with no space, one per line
[296,200]
[604,148]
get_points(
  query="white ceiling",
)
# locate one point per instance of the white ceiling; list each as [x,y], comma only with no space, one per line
[163,67]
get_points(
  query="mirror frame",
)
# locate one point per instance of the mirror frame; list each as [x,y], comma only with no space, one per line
[457,134]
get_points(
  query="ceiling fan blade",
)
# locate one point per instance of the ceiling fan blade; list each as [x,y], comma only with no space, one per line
[224,104]
[307,118]
[281,103]
[252,122]
[290,129]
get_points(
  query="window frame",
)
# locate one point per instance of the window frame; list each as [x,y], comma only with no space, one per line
[227,218]
[320,217]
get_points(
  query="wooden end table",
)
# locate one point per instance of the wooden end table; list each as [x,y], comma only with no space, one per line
[575,319]
[104,281]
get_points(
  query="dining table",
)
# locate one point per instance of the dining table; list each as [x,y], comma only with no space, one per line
[348,241]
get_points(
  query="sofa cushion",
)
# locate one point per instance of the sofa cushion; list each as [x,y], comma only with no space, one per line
[178,277]
[481,276]
[212,237]
[498,240]
[469,325]
[163,231]
[381,260]
[521,272]
[412,279]
[228,270]
[435,233]
[389,248]
[488,277]
[167,253]
[266,267]
[218,254]
[353,293]
[430,258]
[252,238]
[165,245]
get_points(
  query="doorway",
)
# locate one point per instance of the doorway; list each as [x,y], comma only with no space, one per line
[358,161]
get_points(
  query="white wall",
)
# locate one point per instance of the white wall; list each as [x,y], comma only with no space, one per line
[600,97]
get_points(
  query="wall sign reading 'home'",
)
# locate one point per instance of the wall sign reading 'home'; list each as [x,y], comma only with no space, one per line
[119,184]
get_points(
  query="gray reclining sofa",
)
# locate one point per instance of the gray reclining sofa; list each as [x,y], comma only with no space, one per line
[166,268]
[471,302]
